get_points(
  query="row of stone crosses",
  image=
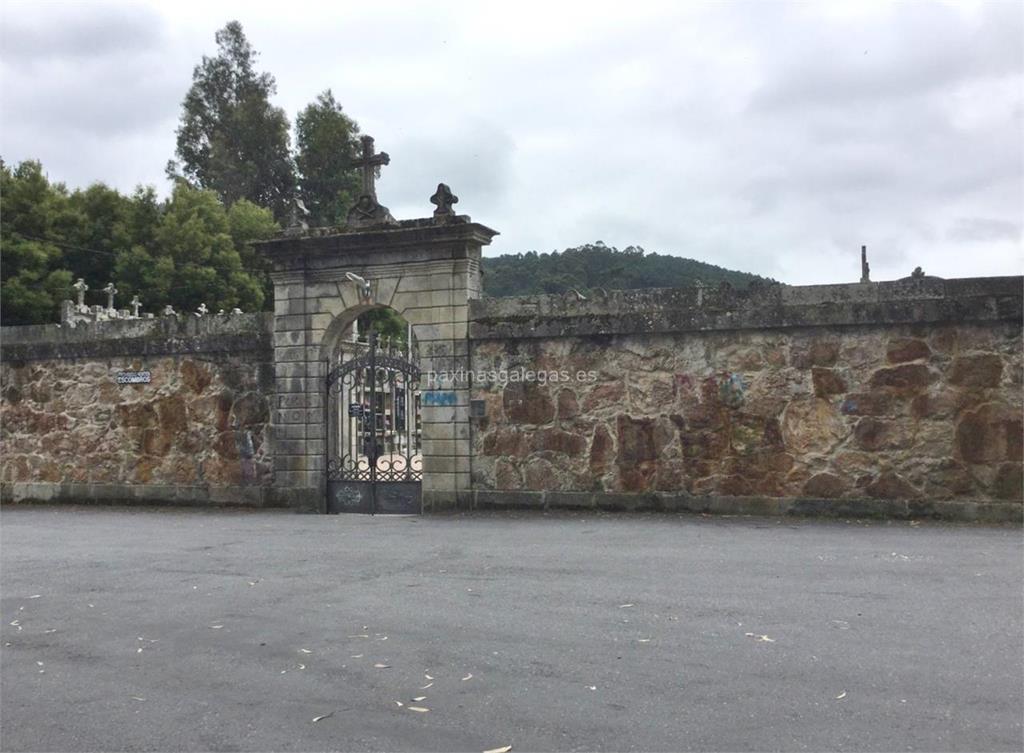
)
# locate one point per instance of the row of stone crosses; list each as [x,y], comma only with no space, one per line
[75,312]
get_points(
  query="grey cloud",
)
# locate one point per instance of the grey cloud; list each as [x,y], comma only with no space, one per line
[82,31]
[473,158]
[917,47]
[984,229]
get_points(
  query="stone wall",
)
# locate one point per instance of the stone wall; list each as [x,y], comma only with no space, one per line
[897,398]
[197,432]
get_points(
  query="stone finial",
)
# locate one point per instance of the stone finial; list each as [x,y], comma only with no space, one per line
[917,273]
[136,305]
[367,210]
[297,224]
[443,199]
[220,312]
[111,291]
[202,310]
[80,288]
[865,268]
[169,311]
[235,311]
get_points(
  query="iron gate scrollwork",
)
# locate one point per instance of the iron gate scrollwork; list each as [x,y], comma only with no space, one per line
[374,464]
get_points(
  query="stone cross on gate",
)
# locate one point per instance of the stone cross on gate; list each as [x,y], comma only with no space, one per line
[369,165]
[80,287]
[110,290]
[136,305]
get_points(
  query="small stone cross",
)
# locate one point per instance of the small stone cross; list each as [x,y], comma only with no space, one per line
[80,287]
[369,165]
[110,290]
[136,305]
[169,310]
[202,310]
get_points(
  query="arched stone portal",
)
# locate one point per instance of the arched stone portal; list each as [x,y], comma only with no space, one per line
[427,270]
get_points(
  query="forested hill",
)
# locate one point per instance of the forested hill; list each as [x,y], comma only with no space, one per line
[600,266]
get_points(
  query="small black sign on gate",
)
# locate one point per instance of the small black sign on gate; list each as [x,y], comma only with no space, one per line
[355,410]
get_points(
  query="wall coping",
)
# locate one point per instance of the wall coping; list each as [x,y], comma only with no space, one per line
[165,335]
[764,306]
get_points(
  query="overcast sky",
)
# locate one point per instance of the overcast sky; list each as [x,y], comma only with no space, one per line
[768,137]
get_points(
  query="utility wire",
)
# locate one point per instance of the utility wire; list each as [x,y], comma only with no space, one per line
[71,246]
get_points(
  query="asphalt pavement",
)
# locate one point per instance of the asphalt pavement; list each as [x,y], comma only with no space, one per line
[130,629]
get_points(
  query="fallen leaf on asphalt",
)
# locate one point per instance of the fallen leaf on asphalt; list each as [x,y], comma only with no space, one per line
[400,704]
[419,698]
[625,606]
[361,635]
[39,663]
[35,596]
[305,650]
[283,671]
[643,640]
[302,666]
[467,677]
[428,685]
[15,622]
[325,716]
[356,656]
[138,650]
[841,695]
[216,627]
[592,687]
[136,698]
[381,666]
[51,630]
[428,677]
[504,749]
[420,709]
[761,638]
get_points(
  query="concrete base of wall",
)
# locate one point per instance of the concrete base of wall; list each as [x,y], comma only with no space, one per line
[311,501]
[138,494]
[953,510]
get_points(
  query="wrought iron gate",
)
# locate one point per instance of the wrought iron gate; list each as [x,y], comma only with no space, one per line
[374,464]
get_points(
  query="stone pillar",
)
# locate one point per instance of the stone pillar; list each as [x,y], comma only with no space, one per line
[427,270]
[297,431]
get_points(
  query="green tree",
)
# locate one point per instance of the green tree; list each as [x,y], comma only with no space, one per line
[231,140]
[199,257]
[33,277]
[248,223]
[596,265]
[326,141]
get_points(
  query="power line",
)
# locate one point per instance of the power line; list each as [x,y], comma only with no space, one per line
[63,244]
[71,246]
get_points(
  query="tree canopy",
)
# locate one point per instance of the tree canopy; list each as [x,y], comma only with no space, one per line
[184,251]
[596,265]
[231,139]
[326,141]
